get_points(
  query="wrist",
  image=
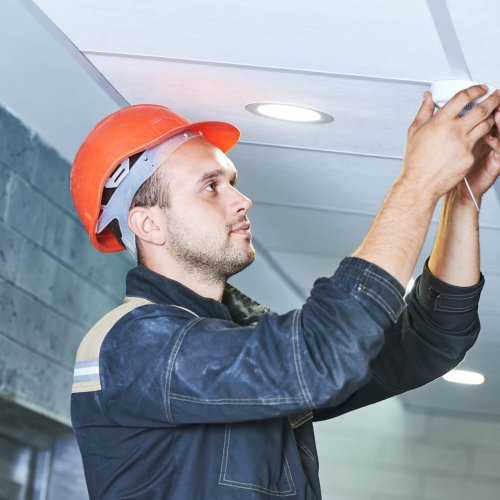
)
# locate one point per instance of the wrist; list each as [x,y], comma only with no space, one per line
[421,194]
[459,209]
[461,196]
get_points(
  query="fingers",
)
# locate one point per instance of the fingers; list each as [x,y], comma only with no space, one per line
[493,139]
[424,113]
[493,142]
[482,129]
[458,102]
[481,111]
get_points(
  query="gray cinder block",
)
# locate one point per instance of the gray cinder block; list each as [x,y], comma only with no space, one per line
[17,148]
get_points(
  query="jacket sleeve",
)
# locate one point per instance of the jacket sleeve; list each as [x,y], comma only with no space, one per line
[211,370]
[430,338]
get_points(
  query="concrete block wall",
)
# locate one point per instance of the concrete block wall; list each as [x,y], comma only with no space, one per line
[53,284]
[384,452]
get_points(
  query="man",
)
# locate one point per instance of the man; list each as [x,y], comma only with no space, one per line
[190,390]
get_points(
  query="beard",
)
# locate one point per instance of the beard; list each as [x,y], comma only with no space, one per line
[210,257]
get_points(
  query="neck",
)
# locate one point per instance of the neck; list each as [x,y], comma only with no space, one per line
[209,287]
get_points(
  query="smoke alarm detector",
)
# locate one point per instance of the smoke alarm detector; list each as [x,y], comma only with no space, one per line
[443,90]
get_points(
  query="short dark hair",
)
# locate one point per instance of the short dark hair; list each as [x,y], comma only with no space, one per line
[154,191]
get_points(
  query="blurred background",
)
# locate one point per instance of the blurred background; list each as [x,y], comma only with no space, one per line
[315,187]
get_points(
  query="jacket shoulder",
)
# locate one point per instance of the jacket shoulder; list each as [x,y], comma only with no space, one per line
[86,374]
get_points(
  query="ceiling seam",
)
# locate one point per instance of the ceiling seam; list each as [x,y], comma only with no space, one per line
[289,251]
[429,410]
[319,150]
[313,208]
[490,227]
[276,69]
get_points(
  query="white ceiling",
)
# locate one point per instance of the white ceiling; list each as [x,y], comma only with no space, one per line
[315,187]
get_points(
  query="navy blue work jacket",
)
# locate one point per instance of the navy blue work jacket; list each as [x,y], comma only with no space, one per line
[187,398]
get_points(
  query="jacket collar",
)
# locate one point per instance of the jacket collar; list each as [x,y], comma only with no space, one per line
[235,305]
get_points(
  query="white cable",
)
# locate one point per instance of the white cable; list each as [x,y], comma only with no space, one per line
[471,193]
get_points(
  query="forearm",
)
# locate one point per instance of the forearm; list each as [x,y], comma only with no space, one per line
[397,234]
[455,255]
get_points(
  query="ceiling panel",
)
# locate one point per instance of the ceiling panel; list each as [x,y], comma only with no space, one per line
[490,250]
[314,179]
[307,231]
[326,181]
[489,296]
[381,38]
[490,322]
[370,116]
[324,233]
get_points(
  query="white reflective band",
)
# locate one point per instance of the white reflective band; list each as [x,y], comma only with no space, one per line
[128,180]
[86,371]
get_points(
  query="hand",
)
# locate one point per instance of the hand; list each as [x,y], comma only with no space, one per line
[486,166]
[439,150]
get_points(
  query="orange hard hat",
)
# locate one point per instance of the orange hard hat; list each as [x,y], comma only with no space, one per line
[118,136]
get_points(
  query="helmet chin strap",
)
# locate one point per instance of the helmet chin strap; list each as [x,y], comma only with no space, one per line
[128,180]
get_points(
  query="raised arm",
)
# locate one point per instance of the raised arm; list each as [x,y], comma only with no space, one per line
[440,323]
[455,256]
[439,154]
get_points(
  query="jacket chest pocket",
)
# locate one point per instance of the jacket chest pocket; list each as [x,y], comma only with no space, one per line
[254,458]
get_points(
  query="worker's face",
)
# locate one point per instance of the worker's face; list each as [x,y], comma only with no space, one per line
[205,211]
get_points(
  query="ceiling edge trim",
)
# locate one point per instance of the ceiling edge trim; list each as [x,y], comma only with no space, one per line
[73,51]
[277,69]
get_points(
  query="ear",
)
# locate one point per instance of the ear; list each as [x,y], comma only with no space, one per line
[145,223]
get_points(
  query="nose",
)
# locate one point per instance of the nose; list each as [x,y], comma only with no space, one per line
[242,204]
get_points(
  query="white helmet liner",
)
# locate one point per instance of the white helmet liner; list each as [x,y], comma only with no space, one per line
[127,182]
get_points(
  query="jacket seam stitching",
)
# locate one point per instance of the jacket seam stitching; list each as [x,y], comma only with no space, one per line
[377,378]
[386,283]
[307,451]
[382,303]
[250,486]
[235,401]
[302,419]
[170,368]
[439,307]
[297,362]
[461,296]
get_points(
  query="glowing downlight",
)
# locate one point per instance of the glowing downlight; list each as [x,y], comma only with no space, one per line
[464,377]
[288,112]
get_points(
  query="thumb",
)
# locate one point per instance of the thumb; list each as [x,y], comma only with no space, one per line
[424,113]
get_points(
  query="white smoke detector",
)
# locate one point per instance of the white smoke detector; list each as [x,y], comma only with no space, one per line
[443,90]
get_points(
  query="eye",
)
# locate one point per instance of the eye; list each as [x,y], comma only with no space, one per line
[211,187]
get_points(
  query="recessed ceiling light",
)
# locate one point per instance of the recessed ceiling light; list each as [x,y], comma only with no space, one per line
[288,112]
[464,377]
